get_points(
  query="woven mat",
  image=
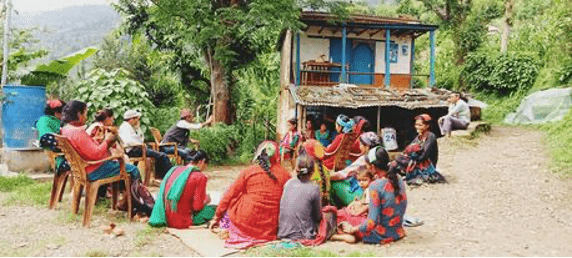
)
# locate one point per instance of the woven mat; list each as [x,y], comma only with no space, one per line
[203,241]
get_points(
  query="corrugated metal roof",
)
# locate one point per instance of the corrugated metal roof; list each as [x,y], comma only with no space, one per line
[312,16]
[360,97]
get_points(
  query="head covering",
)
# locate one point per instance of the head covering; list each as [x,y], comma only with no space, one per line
[378,157]
[314,148]
[271,149]
[346,126]
[131,114]
[424,117]
[54,103]
[292,121]
[370,139]
[185,112]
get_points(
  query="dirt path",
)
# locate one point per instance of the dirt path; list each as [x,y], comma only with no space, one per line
[501,200]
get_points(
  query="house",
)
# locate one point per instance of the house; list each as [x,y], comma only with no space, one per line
[335,66]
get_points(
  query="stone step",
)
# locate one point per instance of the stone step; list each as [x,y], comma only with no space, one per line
[473,129]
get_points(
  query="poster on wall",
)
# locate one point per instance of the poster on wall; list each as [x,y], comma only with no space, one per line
[404,48]
[393,52]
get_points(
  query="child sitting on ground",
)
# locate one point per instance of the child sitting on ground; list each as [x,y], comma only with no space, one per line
[359,206]
[356,212]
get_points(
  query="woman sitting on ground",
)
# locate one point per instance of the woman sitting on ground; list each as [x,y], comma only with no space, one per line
[345,187]
[321,175]
[300,204]
[367,141]
[74,116]
[419,158]
[249,209]
[360,128]
[356,212]
[323,134]
[387,205]
[183,195]
[344,126]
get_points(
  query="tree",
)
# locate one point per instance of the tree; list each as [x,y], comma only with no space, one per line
[507,23]
[223,34]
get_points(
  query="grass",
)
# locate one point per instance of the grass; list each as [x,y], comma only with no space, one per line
[9,184]
[25,191]
[559,141]
[95,253]
[147,235]
[269,251]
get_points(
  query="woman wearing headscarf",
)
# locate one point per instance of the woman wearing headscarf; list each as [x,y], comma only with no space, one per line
[345,187]
[420,157]
[344,126]
[249,209]
[50,124]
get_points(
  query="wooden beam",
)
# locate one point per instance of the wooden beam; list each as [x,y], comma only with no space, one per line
[321,29]
[361,32]
[375,32]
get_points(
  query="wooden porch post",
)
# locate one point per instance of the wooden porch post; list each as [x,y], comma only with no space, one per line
[387,69]
[344,37]
[298,59]
[378,120]
[412,62]
[285,104]
[432,71]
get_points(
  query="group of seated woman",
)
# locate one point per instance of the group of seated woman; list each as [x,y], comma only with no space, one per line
[265,203]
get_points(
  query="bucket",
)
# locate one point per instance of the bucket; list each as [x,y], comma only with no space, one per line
[22,107]
[389,137]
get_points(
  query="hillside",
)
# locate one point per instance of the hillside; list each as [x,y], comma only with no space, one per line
[67,30]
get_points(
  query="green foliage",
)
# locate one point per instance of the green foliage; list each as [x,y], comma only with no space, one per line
[8,184]
[115,90]
[499,107]
[56,70]
[34,194]
[218,141]
[559,136]
[500,74]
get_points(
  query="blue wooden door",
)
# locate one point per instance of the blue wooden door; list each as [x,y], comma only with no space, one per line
[336,56]
[362,62]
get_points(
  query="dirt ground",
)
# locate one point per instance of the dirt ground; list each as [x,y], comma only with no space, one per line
[501,200]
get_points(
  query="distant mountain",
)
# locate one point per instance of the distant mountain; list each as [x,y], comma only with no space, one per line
[70,29]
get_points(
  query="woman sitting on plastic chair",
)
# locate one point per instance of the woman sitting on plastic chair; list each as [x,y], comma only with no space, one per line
[74,116]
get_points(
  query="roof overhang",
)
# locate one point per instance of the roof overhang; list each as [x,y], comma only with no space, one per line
[347,96]
[397,25]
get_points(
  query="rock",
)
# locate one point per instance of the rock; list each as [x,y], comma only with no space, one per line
[23,244]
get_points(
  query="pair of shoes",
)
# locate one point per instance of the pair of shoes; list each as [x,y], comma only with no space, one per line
[412,221]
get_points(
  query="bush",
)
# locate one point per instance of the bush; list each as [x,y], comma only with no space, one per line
[115,90]
[500,74]
[218,141]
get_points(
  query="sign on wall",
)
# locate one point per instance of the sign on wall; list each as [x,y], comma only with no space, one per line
[393,52]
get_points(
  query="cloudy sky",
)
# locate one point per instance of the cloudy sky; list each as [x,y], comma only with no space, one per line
[37,6]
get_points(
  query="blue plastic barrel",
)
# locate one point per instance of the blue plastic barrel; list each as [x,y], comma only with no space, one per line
[22,107]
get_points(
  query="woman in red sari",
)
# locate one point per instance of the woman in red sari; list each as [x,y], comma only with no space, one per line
[249,209]
[344,125]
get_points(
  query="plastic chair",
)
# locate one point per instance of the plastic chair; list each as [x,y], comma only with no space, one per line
[157,145]
[59,182]
[81,182]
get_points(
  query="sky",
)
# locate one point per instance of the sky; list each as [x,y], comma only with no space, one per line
[37,6]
